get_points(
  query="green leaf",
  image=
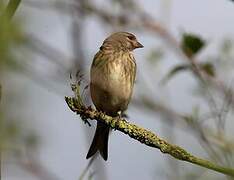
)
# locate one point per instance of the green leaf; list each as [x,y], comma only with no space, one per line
[191,44]
[208,68]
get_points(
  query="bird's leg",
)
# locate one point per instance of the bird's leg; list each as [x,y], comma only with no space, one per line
[119,114]
[124,115]
[119,117]
[84,117]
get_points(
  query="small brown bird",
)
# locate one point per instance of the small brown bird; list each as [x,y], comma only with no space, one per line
[113,74]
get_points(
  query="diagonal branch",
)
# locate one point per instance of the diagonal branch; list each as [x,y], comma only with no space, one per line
[140,134]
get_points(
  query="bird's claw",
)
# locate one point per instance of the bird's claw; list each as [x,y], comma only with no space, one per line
[85,119]
[119,117]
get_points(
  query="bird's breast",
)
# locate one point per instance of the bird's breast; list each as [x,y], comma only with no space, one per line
[113,82]
[119,74]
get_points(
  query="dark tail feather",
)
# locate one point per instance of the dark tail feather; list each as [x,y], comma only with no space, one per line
[100,141]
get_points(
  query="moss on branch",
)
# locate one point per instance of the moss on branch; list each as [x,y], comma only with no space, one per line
[142,135]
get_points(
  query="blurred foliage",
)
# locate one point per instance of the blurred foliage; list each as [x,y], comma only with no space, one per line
[11,37]
[227,46]
[155,55]
[13,136]
[226,50]
[175,70]
[9,133]
[191,44]
[11,8]
[192,118]
[207,67]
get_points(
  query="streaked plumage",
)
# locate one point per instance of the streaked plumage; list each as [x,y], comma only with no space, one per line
[113,74]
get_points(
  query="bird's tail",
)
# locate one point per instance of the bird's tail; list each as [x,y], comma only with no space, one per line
[100,141]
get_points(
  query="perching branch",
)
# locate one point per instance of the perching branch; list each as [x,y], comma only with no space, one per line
[142,135]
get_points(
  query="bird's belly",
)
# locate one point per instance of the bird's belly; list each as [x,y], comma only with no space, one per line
[111,90]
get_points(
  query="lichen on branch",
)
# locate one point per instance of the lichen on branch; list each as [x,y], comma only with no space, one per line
[140,134]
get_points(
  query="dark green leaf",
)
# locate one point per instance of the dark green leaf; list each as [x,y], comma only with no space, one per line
[191,44]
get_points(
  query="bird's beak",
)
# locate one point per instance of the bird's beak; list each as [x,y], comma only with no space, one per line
[139,45]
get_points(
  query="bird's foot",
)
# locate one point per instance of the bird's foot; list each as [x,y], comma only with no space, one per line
[85,119]
[118,117]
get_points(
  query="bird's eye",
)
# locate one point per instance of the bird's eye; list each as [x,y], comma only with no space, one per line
[131,37]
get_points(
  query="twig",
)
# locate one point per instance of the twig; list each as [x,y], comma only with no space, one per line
[87,168]
[38,170]
[144,136]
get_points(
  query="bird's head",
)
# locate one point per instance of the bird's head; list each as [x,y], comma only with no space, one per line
[121,41]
